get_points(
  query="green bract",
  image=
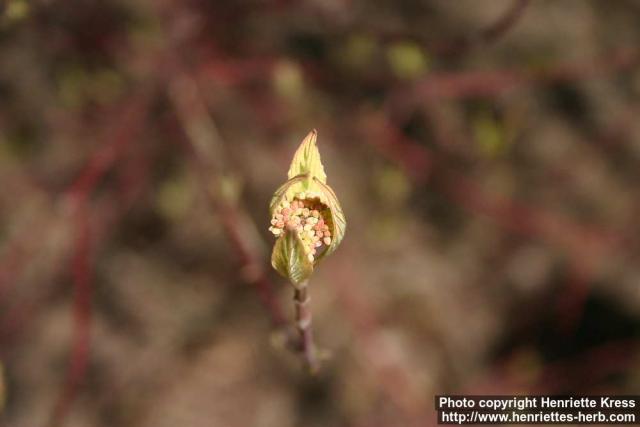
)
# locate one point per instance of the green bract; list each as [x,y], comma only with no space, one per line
[305,215]
[289,258]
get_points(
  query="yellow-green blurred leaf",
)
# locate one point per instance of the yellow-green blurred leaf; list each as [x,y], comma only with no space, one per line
[489,134]
[77,86]
[407,60]
[174,197]
[393,186]
[288,79]
[359,51]
[16,10]
[230,188]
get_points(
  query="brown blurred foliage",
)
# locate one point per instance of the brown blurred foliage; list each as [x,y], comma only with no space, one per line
[486,155]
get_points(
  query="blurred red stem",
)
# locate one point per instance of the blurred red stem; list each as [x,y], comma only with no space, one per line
[83,289]
[255,274]
[505,22]
[488,35]
[202,142]
[79,193]
[480,83]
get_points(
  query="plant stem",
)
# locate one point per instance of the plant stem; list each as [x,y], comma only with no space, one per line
[302,301]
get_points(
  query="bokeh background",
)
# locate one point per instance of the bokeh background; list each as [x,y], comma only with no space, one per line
[486,154]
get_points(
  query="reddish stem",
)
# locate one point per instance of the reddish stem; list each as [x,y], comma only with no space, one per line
[302,302]
[79,193]
[83,290]
[203,143]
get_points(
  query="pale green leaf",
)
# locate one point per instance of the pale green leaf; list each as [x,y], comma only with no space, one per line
[306,160]
[285,192]
[338,220]
[290,259]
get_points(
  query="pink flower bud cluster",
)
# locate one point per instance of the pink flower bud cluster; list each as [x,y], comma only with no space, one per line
[306,216]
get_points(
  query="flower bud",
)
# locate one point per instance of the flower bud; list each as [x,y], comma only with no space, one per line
[310,210]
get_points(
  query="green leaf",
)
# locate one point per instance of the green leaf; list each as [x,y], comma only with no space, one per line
[285,191]
[290,259]
[338,220]
[306,161]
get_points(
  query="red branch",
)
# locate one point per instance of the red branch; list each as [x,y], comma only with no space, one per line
[393,376]
[203,144]
[130,121]
[83,290]
[582,243]
[486,36]
[505,22]
[465,84]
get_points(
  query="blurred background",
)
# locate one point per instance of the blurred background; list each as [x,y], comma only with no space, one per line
[485,153]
